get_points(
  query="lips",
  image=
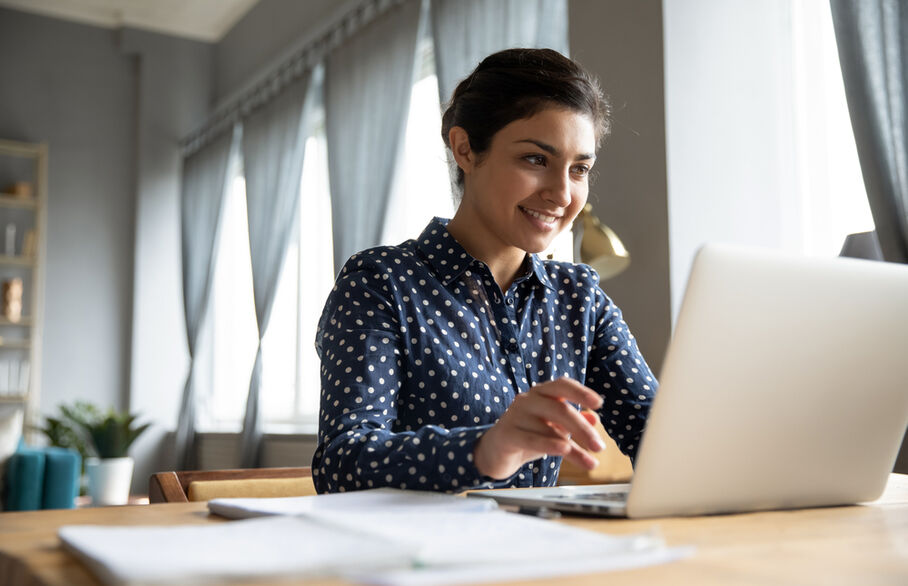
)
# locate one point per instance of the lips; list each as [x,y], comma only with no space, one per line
[539,216]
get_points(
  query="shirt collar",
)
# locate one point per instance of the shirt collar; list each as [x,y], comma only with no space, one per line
[444,254]
[449,259]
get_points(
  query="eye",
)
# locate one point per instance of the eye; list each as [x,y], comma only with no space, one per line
[580,170]
[535,160]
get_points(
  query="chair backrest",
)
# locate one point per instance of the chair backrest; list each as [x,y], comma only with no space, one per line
[195,485]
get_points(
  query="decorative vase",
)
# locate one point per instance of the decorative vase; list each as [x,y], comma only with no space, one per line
[109,480]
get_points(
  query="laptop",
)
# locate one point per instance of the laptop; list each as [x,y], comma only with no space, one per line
[785,386]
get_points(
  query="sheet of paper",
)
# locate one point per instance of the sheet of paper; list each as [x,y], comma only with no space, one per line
[384,536]
[274,547]
[379,499]
[452,539]
[539,569]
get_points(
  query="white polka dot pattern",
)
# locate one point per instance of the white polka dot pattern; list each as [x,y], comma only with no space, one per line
[422,352]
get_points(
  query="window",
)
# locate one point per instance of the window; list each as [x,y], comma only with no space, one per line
[290,366]
[834,200]
[227,352]
[421,188]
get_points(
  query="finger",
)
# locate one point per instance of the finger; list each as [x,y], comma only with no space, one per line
[542,427]
[565,416]
[566,388]
[591,416]
[580,457]
[541,445]
[559,431]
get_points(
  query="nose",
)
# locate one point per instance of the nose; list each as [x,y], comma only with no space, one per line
[558,188]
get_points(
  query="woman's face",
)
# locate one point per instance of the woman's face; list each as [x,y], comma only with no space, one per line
[532,181]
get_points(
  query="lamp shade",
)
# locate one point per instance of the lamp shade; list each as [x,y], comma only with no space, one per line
[598,246]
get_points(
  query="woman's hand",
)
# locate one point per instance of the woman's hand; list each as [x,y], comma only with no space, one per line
[540,422]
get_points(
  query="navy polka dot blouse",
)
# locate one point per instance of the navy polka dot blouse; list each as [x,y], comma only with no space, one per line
[421,352]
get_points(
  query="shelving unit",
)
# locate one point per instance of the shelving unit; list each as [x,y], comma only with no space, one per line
[21,214]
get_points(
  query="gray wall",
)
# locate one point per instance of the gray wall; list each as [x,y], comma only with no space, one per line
[269,32]
[68,85]
[620,41]
[174,94]
[112,105]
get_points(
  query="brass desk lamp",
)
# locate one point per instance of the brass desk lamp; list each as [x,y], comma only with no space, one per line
[598,246]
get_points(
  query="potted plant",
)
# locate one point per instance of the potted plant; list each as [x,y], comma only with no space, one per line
[104,439]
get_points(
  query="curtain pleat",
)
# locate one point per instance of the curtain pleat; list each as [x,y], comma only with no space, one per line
[367,95]
[274,142]
[206,176]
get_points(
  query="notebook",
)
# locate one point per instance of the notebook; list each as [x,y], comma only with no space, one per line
[785,386]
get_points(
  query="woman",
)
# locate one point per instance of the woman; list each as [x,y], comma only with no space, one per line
[457,360]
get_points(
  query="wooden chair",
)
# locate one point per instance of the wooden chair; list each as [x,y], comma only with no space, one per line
[202,485]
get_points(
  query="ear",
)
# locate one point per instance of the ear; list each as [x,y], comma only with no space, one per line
[459,142]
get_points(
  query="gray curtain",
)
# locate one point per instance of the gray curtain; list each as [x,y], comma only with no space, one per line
[206,176]
[872,38]
[273,148]
[367,96]
[466,31]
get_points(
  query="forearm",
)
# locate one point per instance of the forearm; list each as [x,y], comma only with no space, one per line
[430,458]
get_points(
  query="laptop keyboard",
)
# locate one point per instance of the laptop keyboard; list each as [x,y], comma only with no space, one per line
[608,497]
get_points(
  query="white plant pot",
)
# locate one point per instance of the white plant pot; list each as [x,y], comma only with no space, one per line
[109,480]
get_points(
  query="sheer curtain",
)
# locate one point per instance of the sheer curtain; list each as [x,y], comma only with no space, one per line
[872,37]
[465,31]
[273,149]
[367,93]
[205,180]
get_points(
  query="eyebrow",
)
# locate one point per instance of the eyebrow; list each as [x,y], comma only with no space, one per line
[554,151]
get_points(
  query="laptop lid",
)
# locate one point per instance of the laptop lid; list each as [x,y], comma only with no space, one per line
[785,386]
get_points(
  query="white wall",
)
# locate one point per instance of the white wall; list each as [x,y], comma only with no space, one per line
[730,130]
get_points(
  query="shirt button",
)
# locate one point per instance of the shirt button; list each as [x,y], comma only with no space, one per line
[510,301]
[512,347]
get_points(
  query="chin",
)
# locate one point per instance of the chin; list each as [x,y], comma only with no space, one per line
[537,247]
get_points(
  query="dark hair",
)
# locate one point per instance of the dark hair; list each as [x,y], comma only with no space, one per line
[518,83]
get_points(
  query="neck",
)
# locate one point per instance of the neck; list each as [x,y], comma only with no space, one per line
[503,261]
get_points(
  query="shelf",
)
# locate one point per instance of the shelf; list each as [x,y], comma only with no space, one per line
[13,398]
[11,201]
[19,261]
[16,344]
[25,322]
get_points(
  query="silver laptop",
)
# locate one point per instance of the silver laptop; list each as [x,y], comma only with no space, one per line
[785,386]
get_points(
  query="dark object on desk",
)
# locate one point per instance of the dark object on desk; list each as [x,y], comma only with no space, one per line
[862,245]
[177,487]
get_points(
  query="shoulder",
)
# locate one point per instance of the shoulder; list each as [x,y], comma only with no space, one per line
[379,262]
[568,275]
[579,281]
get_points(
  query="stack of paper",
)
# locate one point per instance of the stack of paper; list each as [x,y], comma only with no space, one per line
[383,536]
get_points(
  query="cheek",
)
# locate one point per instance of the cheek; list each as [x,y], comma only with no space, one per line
[578,198]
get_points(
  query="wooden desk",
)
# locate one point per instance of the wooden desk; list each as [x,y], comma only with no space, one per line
[865,544]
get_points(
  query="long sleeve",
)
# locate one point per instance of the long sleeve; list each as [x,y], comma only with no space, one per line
[361,441]
[618,371]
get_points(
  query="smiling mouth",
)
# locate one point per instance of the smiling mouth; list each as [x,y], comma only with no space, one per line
[538,216]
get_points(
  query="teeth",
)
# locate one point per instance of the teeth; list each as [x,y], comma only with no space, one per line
[543,217]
